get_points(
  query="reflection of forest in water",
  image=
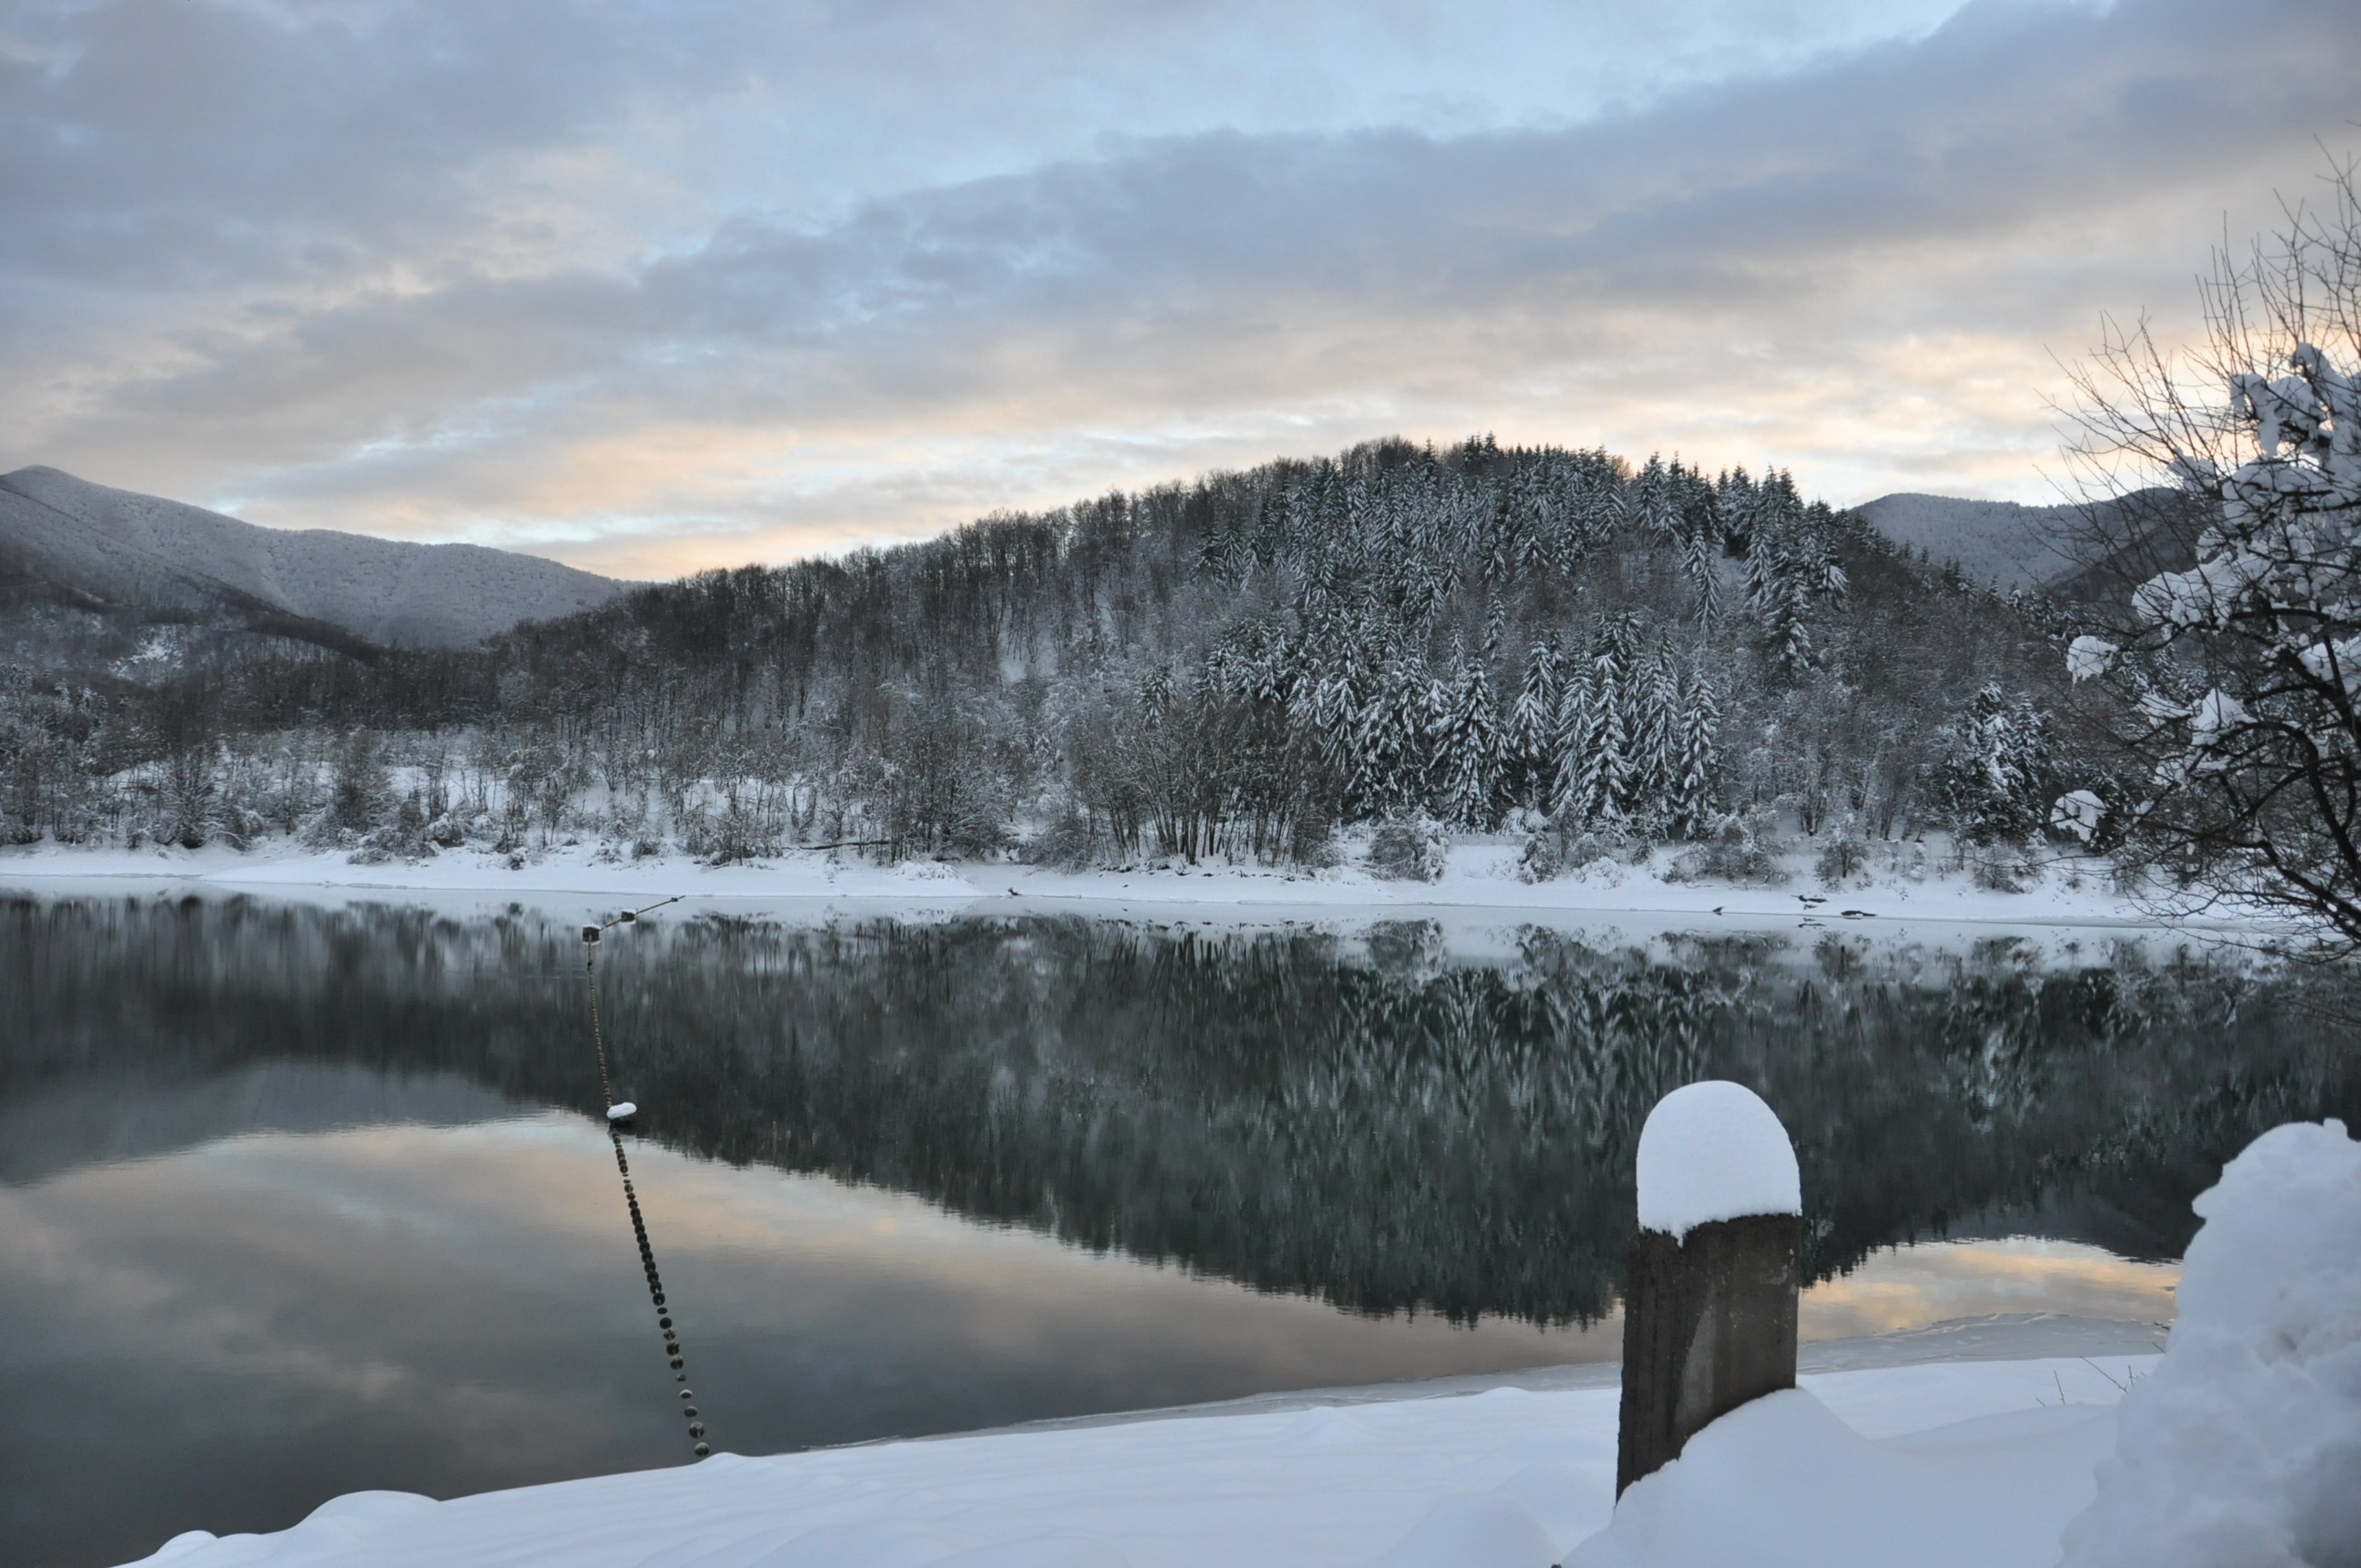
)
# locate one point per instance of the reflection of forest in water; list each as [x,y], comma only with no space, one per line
[1367,1120]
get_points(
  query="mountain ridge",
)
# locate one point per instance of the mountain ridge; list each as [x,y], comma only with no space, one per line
[95,546]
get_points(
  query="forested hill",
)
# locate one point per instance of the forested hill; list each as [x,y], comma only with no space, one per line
[1480,636]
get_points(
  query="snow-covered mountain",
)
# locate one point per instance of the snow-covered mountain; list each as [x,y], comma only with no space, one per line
[2072,551]
[1995,543]
[109,548]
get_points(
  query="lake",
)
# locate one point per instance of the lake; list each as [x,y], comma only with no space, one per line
[298,1201]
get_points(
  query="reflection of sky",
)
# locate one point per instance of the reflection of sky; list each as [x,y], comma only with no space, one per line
[225,1336]
[1903,1288]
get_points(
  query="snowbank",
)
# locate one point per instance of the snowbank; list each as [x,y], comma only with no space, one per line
[1783,1480]
[2244,1447]
[1714,1151]
[1508,1478]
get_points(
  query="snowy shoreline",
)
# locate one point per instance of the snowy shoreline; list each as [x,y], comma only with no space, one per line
[1479,881]
[1408,1475]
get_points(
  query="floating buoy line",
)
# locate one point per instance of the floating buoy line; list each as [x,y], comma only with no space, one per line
[618,1119]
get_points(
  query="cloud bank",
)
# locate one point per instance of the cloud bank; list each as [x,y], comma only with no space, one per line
[661,286]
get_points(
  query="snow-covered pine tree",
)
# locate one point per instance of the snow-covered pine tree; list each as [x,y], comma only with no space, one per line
[1699,753]
[1734,503]
[1790,561]
[1390,756]
[1656,738]
[1701,559]
[1332,706]
[1654,504]
[1593,777]
[1995,774]
[1532,741]
[1464,736]
[1534,502]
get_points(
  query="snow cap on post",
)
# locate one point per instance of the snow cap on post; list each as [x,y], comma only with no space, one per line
[1714,1151]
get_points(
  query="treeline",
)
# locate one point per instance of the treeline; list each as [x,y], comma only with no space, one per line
[1541,640]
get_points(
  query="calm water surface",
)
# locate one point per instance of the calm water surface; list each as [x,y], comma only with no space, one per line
[299,1201]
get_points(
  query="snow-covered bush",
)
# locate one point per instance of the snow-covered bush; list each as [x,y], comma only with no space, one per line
[1737,849]
[1552,850]
[1413,850]
[1066,843]
[1843,856]
[2243,1450]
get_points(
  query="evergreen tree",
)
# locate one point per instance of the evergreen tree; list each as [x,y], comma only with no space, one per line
[1592,778]
[1995,774]
[1466,738]
[1390,756]
[1656,740]
[1532,742]
[1701,560]
[1699,755]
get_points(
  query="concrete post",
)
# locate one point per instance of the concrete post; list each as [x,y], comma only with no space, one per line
[1715,1268]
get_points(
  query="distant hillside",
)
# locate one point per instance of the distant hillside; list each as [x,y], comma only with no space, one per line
[105,548]
[2060,548]
[1994,543]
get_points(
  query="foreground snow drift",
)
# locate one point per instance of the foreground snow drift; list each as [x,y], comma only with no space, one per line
[1782,1481]
[2243,1449]
[2246,1447]
[1507,1477]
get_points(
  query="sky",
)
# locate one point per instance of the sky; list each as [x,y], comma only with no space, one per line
[650,287]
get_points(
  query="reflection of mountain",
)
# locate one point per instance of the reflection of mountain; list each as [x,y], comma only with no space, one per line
[1369,1122]
[84,1120]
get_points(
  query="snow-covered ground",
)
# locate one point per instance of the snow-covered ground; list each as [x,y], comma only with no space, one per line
[1480,876]
[1508,1476]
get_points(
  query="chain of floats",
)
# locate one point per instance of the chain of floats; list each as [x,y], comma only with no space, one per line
[673,1352]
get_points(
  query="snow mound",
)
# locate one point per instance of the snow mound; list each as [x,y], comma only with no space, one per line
[1472,1530]
[2244,1447]
[1714,1151]
[1783,1482]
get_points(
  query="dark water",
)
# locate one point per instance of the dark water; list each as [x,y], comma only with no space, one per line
[297,1201]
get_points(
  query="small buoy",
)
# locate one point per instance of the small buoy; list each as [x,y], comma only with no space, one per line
[617,1112]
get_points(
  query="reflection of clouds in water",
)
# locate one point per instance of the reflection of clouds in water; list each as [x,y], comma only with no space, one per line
[220,1338]
[451,1309]
[324,1255]
[1903,1287]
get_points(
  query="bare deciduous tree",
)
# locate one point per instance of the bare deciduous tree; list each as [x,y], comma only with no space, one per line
[2225,487]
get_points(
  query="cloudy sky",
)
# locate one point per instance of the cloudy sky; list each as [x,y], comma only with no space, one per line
[659,284]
